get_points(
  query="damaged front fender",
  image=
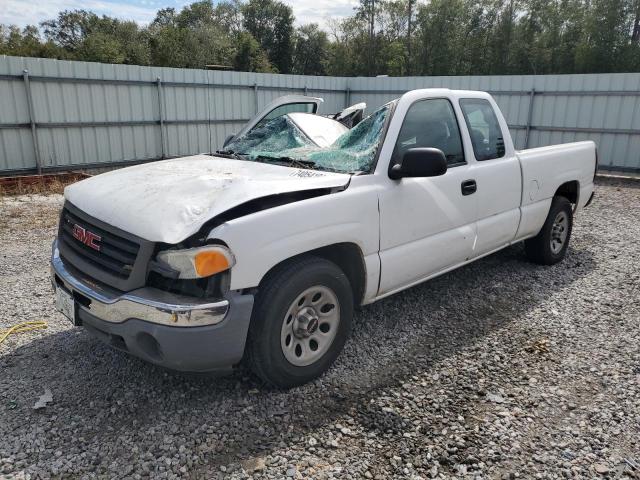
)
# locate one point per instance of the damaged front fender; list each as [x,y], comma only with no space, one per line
[266,238]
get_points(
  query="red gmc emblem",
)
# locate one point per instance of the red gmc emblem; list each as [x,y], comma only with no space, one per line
[83,235]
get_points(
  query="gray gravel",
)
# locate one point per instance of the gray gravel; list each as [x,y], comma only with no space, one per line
[501,369]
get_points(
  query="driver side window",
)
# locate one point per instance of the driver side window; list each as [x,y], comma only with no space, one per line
[431,123]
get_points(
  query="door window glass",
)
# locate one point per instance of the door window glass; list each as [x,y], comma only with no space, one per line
[284,109]
[431,123]
[486,135]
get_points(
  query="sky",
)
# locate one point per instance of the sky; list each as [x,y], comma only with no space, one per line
[25,12]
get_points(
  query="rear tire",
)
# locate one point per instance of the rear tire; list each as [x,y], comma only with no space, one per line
[300,322]
[551,243]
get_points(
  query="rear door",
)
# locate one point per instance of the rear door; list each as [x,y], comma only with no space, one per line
[280,106]
[496,174]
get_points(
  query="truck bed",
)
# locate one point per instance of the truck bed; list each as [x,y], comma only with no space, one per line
[545,169]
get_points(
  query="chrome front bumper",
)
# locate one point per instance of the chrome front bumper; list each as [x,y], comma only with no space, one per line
[146,304]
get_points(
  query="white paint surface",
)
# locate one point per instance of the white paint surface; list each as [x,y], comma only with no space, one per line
[323,131]
[264,239]
[407,230]
[168,201]
[427,227]
[352,109]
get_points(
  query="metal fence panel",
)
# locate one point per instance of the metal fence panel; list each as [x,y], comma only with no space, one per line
[64,115]
[565,108]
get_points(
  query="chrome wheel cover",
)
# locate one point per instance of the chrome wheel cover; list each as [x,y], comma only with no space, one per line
[310,325]
[559,231]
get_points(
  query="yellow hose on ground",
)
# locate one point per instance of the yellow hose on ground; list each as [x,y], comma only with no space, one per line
[22,327]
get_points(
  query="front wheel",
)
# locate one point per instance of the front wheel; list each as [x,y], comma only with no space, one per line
[551,243]
[300,322]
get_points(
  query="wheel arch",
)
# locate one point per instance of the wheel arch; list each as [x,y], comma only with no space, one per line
[346,255]
[569,190]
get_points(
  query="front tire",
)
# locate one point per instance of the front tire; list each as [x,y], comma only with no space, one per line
[551,243]
[300,322]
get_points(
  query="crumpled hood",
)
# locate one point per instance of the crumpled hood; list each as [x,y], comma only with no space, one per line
[170,200]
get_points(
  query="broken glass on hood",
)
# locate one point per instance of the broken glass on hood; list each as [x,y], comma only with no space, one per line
[282,140]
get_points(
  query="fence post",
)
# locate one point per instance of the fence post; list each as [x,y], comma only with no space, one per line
[347,97]
[255,96]
[305,90]
[32,120]
[161,113]
[532,94]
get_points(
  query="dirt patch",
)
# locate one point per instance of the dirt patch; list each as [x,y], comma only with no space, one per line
[38,184]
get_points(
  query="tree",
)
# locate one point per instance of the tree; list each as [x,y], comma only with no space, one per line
[165,17]
[27,43]
[395,21]
[270,22]
[249,56]
[228,16]
[605,37]
[100,39]
[196,15]
[192,38]
[409,38]
[394,37]
[367,11]
[310,52]
[98,47]
[442,26]
[348,52]
[70,28]
[635,33]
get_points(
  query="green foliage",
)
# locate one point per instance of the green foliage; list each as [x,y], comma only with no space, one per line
[70,29]
[249,57]
[99,47]
[85,36]
[311,50]
[27,43]
[381,37]
[270,22]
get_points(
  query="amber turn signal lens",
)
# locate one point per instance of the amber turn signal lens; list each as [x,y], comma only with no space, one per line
[211,262]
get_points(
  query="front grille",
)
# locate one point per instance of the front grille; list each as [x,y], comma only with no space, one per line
[122,259]
[117,255]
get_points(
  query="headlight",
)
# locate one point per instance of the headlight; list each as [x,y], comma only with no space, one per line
[198,262]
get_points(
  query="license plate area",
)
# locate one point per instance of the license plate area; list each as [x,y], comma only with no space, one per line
[66,305]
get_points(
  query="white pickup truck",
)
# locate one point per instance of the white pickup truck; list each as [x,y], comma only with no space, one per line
[261,252]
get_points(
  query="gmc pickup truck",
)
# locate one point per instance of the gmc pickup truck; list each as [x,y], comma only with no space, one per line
[261,252]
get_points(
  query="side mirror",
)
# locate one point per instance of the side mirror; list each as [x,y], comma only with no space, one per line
[420,162]
[228,139]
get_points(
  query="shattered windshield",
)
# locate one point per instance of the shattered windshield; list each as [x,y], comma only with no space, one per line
[281,141]
[271,137]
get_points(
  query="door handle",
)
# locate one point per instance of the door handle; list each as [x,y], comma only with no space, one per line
[468,187]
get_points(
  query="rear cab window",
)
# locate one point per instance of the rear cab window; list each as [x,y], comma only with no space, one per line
[486,135]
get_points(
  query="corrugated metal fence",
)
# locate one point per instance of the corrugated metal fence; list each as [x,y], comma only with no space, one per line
[60,115]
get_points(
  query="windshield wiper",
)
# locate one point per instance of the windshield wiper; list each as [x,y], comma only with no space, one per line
[229,154]
[287,160]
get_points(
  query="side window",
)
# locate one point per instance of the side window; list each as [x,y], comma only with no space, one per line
[431,123]
[486,135]
[284,109]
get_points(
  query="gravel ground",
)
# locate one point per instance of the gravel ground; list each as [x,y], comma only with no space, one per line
[501,369]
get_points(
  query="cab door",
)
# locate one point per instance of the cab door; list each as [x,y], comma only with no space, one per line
[280,106]
[496,173]
[427,225]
